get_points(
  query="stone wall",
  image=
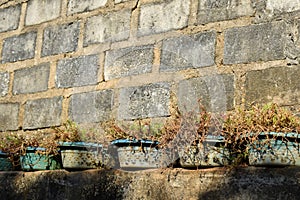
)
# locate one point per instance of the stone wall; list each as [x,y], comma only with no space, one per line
[94,60]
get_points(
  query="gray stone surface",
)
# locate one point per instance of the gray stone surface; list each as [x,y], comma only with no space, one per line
[261,42]
[9,116]
[31,80]
[60,39]
[282,6]
[91,106]
[219,10]
[9,18]
[128,62]
[144,101]
[20,47]
[41,11]
[77,6]
[216,93]
[113,27]
[280,84]
[188,52]
[41,113]
[78,71]
[4,83]
[157,18]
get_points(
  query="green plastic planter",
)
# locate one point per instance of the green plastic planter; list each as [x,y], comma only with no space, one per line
[209,153]
[5,163]
[275,149]
[32,160]
[82,155]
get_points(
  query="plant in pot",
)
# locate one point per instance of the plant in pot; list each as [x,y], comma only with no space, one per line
[263,135]
[82,149]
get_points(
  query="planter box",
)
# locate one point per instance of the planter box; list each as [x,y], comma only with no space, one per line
[210,153]
[139,154]
[5,163]
[81,155]
[32,160]
[275,149]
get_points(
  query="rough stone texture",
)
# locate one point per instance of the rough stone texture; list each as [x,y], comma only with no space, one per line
[219,10]
[157,18]
[77,71]
[4,83]
[43,113]
[218,183]
[9,116]
[280,84]
[107,28]
[91,106]
[120,1]
[188,52]
[31,80]
[261,42]
[77,6]
[60,39]
[216,93]
[144,101]
[41,11]
[282,6]
[20,47]
[128,62]
[9,18]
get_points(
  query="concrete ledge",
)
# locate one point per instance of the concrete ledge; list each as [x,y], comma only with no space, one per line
[216,183]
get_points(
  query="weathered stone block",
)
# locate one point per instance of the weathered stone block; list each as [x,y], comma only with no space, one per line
[77,6]
[20,47]
[9,18]
[128,62]
[41,113]
[144,101]
[91,106]
[282,6]
[188,52]
[219,10]
[157,18]
[261,42]
[105,28]
[41,11]
[31,80]
[60,39]
[280,85]
[4,83]
[215,92]
[9,116]
[77,71]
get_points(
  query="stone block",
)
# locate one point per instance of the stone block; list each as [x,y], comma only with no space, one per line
[282,6]
[78,71]
[31,80]
[78,6]
[20,47]
[144,101]
[42,113]
[188,52]
[263,42]
[60,39]
[9,18]
[280,85]
[215,92]
[9,116]
[41,11]
[107,28]
[157,18]
[4,83]
[91,107]
[128,62]
[219,10]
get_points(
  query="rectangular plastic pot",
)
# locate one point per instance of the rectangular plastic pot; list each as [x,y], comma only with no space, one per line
[275,149]
[5,163]
[209,153]
[32,160]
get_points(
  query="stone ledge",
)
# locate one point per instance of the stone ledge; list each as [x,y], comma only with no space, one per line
[215,183]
